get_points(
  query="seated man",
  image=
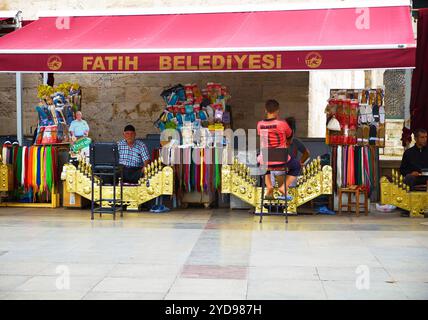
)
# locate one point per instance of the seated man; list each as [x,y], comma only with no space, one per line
[415,159]
[78,128]
[274,133]
[296,146]
[133,155]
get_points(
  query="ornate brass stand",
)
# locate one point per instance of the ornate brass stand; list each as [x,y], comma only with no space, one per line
[6,177]
[315,181]
[157,181]
[398,194]
[6,184]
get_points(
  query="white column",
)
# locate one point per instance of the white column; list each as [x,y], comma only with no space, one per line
[45,78]
[19,129]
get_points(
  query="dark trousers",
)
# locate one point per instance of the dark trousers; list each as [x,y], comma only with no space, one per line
[132,174]
[413,181]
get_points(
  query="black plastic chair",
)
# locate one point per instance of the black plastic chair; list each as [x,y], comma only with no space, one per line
[277,155]
[104,159]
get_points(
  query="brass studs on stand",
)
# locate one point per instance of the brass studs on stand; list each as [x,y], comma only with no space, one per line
[398,180]
[248,175]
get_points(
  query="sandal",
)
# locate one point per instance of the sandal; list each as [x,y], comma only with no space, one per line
[269,197]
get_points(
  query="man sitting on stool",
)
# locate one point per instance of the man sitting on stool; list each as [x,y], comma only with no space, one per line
[275,133]
[133,155]
[415,159]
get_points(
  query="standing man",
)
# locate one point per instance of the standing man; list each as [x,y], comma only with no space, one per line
[414,160]
[133,155]
[78,128]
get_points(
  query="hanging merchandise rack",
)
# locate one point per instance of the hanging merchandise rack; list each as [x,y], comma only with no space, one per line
[29,175]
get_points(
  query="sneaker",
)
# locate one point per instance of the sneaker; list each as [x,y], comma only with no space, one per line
[154,208]
[159,209]
[325,210]
[288,197]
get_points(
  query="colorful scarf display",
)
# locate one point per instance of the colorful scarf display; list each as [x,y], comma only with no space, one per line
[34,168]
[356,165]
[196,170]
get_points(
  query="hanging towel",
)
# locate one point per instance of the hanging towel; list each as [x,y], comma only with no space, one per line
[212,171]
[42,170]
[29,169]
[18,165]
[334,166]
[15,149]
[186,166]
[4,154]
[339,166]
[344,165]
[201,178]
[191,171]
[198,170]
[38,169]
[23,169]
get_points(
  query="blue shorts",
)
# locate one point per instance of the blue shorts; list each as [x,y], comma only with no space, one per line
[293,168]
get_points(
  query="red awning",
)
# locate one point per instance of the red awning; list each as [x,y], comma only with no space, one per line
[340,38]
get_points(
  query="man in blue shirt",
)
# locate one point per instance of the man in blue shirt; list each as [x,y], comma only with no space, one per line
[133,155]
[78,128]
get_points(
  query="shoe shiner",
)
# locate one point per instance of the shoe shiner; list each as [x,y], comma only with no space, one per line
[276,133]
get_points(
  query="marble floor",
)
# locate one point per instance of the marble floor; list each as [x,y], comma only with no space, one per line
[210,254]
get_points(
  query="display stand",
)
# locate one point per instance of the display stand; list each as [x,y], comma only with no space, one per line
[7,178]
[55,203]
[355,132]
[315,180]
[198,115]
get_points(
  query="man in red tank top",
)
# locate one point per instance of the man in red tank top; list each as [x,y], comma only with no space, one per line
[273,133]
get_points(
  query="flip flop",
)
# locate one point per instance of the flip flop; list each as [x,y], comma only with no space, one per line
[269,197]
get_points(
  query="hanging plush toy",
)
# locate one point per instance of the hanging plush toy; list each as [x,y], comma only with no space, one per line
[189,93]
[58,99]
[197,94]
[203,115]
[43,117]
[190,116]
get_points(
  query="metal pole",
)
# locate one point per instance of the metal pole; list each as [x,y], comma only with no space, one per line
[19,130]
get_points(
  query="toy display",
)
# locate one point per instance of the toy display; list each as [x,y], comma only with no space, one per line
[56,110]
[201,116]
[191,110]
[356,117]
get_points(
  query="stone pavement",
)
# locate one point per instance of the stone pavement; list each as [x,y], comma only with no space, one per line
[210,254]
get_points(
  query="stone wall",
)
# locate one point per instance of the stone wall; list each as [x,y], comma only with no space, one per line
[111,101]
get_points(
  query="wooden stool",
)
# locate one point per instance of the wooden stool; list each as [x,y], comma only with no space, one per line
[356,191]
